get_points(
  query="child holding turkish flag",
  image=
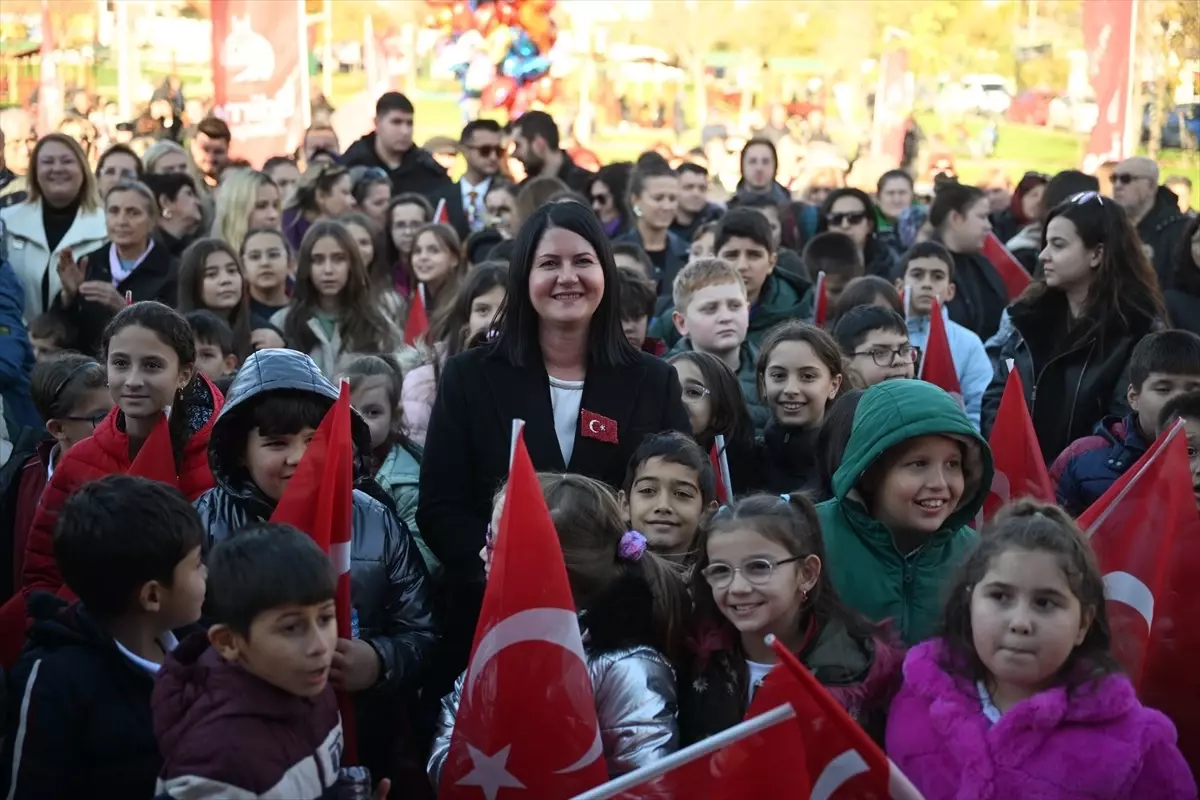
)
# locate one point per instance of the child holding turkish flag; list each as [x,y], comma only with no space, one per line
[1019,695]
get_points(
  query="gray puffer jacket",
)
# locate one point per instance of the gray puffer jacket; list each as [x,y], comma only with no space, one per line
[390,587]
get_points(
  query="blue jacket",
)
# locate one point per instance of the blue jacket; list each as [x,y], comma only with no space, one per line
[971,361]
[1090,465]
[16,353]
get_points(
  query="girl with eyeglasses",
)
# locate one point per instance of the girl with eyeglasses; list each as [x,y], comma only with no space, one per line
[716,404]
[850,211]
[800,373]
[761,571]
[70,393]
[406,214]
[1075,327]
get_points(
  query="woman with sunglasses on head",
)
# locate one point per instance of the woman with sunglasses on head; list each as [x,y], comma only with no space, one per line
[850,211]
[607,195]
[1075,326]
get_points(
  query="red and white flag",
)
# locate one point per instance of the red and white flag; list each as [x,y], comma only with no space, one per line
[1020,470]
[1013,275]
[937,362]
[720,464]
[796,742]
[260,75]
[156,459]
[527,719]
[417,322]
[1145,532]
[441,214]
[820,301]
[319,500]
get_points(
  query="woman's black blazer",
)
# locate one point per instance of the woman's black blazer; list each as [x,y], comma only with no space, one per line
[470,431]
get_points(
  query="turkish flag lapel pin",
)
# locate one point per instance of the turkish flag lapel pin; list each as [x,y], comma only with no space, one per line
[598,427]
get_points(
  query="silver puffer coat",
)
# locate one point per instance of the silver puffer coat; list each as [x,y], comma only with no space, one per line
[635,705]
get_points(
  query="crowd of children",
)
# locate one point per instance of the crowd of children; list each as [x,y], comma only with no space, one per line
[782,473]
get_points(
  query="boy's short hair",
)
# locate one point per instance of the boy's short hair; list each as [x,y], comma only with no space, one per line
[1171,352]
[636,294]
[1181,406]
[636,252]
[705,230]
[853,327]
[700,273]
[743,223]
[264,567]
[393,101]
[690,167]
[116,534]
[927,249]
[280,412]
[214,128]
[674,448]
[208,328]
[865,290]
[834,254]
[53,326]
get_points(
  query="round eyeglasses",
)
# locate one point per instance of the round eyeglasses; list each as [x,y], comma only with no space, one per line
[756,571]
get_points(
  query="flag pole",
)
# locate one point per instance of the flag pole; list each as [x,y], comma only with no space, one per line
[517,426]
[689,754]
[907,302]
[723,462]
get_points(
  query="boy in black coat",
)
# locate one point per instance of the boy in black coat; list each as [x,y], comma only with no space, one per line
[78,720]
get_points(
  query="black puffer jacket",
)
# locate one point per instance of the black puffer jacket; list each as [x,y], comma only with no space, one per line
[390,588]
[1071,381]
[417,171]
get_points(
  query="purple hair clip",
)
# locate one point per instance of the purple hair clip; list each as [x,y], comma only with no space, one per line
[631,547]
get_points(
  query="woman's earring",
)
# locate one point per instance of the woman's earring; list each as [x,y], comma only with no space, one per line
[637,211]
[166,213]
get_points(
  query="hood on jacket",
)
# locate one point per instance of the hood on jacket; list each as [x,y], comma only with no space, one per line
[268,371]
[893,411]
[197,685]
[204,405]
[362,152]
[55,622]
[1164,211]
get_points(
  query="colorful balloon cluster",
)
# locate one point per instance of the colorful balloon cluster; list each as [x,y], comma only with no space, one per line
[502,49]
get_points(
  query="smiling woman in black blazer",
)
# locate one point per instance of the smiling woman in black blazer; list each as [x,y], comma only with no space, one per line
[562,364]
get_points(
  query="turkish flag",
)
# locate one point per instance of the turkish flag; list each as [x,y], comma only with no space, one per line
[1011,272]
[1020,470]
[937,362]
[156,459]
[527,718]
[1145,532]
[441,214]
[720,464]
[417,322]
[319,500]
[821,305]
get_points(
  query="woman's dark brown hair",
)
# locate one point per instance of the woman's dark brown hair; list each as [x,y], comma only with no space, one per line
[1038,528]
[448,326]
[362,325]
[822,344]
[191,290]
[864,291]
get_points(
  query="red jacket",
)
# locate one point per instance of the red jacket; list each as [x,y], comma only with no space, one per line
[104,453]
[31,482]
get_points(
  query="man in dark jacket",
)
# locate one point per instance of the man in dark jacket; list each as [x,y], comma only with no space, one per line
[536,145]
[1153,209]
[275,403]
[390,147]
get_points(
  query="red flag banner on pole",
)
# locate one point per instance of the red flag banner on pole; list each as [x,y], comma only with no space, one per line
[821,301]
[1020,470]
[156,459]
[1109,32]
[720,464]
[937,362]
[1013,275]
[441,215]
[260,75]
[319,500]
[417,322]
[527,718]
[1145,532]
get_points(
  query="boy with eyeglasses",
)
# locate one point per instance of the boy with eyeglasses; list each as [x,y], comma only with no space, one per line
[875,342]
[927,271]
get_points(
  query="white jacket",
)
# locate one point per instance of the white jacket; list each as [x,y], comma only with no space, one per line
[31,256]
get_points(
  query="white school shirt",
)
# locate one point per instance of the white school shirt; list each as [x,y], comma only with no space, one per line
[757,671]
[168,643]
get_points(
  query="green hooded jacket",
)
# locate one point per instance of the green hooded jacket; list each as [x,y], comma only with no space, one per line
[870,574]
[778,301]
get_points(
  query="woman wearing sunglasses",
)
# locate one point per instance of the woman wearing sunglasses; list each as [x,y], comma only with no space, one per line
[1076,325]
[850,211]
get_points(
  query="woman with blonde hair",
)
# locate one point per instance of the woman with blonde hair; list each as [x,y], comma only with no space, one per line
[60,221]
[164,157]
[248,199]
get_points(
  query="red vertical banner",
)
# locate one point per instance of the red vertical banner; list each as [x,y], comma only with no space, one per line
[893,102]
[1107,37]
[260,76]
[50,91]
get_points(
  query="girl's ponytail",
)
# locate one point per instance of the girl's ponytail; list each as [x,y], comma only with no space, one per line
[671,605]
